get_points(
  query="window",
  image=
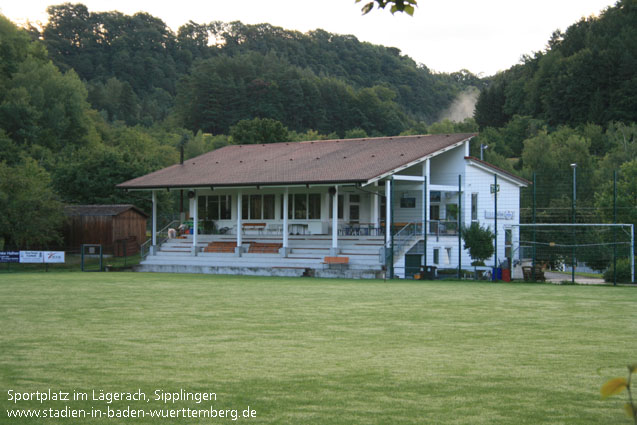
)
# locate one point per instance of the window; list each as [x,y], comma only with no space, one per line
[407,202]
[303,206]
[474,207]
[268,207]
[434,196]
[257,207]
[256,202]
[314,202]
[452,212]
[201,208]
[340,207]
[245,207]
[436,256]
[508,242]
[383,208]
[215,207]
[300,206]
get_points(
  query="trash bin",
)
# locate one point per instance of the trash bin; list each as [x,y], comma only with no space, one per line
[496,273]
[506,275]
[428,272]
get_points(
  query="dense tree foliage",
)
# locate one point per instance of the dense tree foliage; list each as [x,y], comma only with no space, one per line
[258,130]
[132,65]
[588,74]
[31,211]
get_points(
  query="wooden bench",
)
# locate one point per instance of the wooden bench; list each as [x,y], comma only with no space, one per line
[527,271]
[260,227]
[336,261]
[264,248]
[223,247]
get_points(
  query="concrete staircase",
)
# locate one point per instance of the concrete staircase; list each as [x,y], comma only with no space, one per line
[305,257]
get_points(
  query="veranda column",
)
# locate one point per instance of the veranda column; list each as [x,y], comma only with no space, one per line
[334,250]
[284,251]
[427,195]
[388,217]
[237,250]
[375,218]
[153,249]
[425,207]
[194,205]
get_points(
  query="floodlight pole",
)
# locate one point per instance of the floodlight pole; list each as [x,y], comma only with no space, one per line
[574,166]
[482,149]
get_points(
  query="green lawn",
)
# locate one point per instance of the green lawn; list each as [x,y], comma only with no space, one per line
[310,351]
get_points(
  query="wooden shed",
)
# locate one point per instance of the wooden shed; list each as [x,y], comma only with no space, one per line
[120,229]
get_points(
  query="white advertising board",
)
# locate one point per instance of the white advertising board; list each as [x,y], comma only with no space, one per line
[31,257]
[53,256]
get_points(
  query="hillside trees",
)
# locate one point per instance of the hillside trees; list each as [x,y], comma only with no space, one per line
[587,75]
[31,212]
[131,65]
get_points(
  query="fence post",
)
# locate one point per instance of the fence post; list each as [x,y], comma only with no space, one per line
[534,222]
[459,225]
[495,218]
[391,227]
[614,228]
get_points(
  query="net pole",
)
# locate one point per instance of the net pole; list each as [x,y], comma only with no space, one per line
[459,225]
[614,228]
[391,227]
[534,229]
[632,253]
[574,206]
[495,221]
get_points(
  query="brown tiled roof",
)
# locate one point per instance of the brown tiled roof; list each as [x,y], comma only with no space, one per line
[499,170]
[100,210]
[323,161]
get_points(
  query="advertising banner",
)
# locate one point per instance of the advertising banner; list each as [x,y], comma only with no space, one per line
[9,256]
[53,256]
[31,257]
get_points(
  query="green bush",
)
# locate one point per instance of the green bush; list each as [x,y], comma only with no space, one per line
[623,271]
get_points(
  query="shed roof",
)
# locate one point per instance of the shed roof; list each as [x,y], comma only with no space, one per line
[311,162]
[101,210]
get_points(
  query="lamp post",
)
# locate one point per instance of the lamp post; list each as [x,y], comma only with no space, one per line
[482,149]
[574,167]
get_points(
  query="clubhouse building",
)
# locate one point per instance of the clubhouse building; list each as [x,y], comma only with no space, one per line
[357,208]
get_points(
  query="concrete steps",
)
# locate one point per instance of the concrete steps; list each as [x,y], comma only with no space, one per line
[305,257]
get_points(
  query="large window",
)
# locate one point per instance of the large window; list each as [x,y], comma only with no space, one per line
[268,207]
[215,207]
[303,206]
[474,207]
[257,207]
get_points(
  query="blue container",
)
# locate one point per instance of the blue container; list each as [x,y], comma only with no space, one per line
[496,273]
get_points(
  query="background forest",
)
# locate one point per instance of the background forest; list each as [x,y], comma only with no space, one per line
[92,99]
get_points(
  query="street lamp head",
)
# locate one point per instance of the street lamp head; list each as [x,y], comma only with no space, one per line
[574,165]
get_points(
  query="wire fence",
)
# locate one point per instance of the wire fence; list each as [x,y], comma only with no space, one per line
[576,236]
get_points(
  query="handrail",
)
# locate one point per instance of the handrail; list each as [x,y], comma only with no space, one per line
[162,236]
[402,240]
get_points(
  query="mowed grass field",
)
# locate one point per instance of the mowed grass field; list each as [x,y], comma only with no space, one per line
[312,351]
